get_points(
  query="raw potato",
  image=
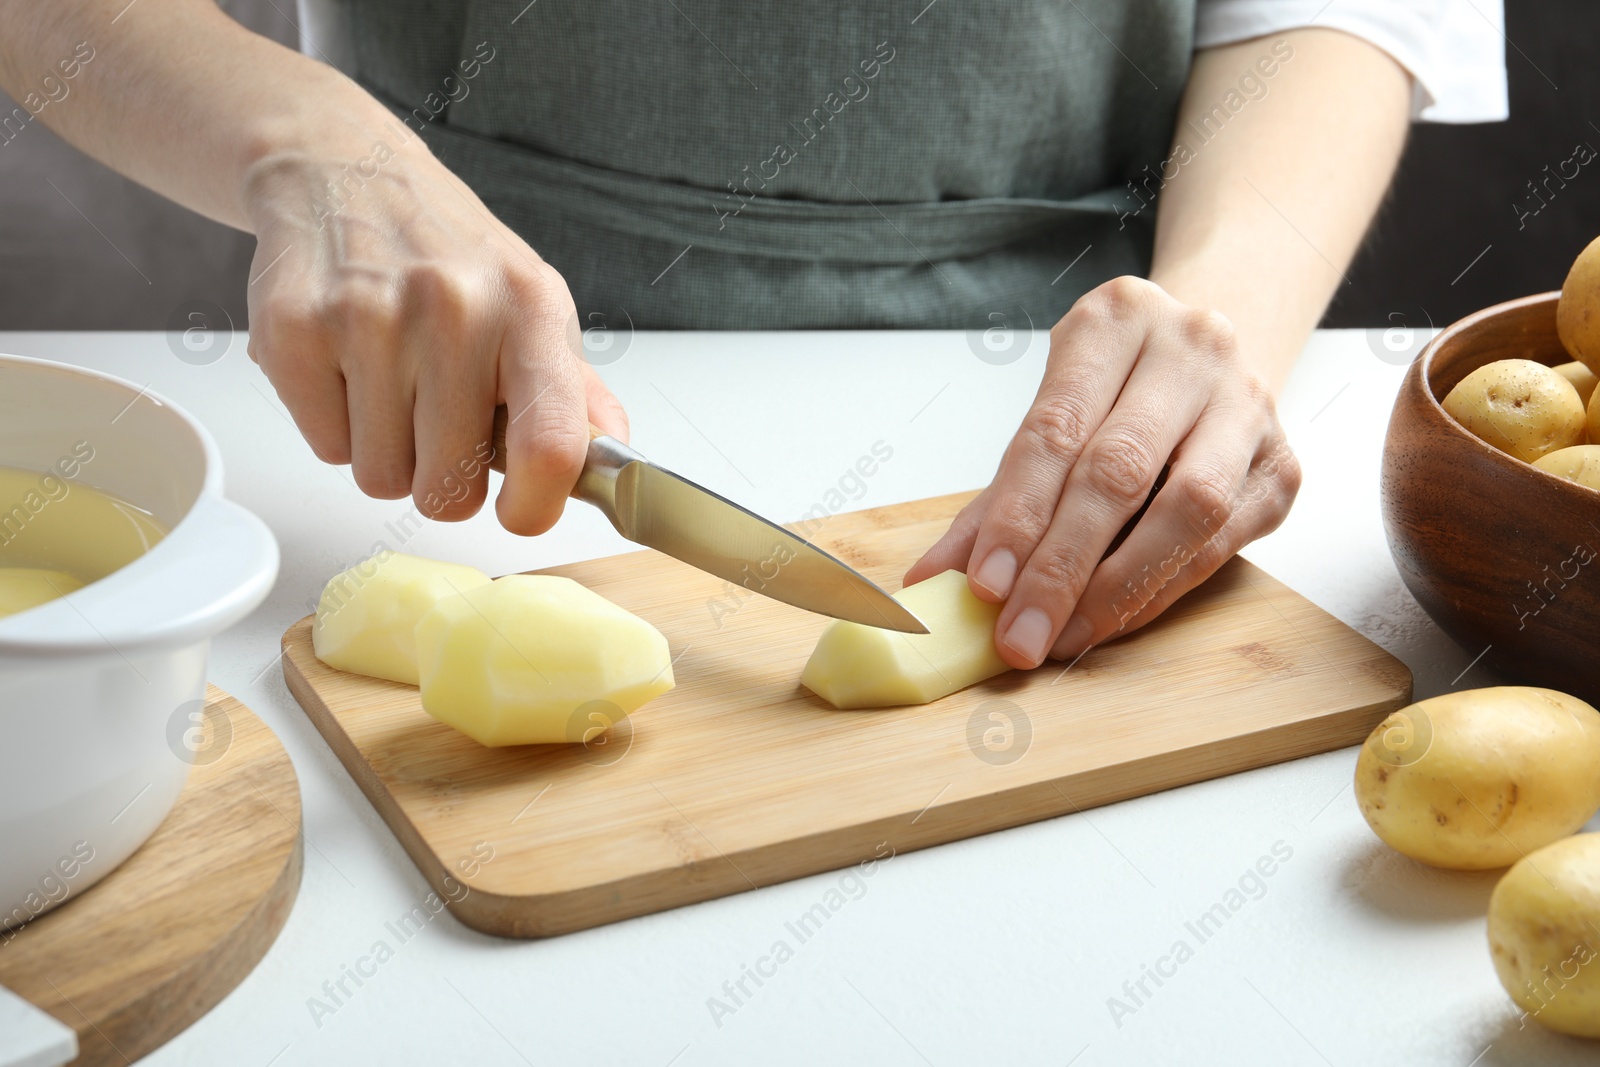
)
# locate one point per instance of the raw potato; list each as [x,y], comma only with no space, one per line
[533,658]
[1474,780]
[1580,463]
[1520,407]
[1582,378]
[856,666]
[1594,418]
[367,616]
[1544,933]
[1578,310]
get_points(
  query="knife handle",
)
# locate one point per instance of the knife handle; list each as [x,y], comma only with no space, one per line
[497,439]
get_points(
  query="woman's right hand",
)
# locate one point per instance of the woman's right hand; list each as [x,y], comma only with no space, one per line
[392,312]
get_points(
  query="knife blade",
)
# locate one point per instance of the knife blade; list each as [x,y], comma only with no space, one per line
[652,506]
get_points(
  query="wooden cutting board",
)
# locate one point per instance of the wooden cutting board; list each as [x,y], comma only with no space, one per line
[162,939]
[739,777]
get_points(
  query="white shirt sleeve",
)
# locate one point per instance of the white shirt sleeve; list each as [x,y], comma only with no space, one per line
[1453,49]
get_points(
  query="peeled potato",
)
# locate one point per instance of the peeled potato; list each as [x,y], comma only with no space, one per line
[856,666]
[367,615]
[1580,463]
[1582,378]
[533,658]
[1578,310]
[1474,780]
[1544,934]
[1520,407]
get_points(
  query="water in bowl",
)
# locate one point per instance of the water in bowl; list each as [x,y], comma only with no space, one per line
[57,535]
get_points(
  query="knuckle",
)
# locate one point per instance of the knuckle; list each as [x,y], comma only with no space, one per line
[1121,468]
[1058,424]
[1205,497]
[440,290]
[1055,572]
[1209,331]
[361,303]
[1122,295]
[1018,519]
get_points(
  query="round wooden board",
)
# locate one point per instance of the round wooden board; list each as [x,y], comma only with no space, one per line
[162,939]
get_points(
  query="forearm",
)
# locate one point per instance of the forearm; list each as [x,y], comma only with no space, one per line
[178,96]
[1261,212]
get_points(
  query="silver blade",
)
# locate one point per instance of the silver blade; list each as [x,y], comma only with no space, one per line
[671,514]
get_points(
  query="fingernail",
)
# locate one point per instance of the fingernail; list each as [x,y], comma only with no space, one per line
[1075,637]
[1029,634]
[997,572]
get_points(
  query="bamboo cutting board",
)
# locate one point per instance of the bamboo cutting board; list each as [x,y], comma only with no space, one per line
[157,943]
[740,778]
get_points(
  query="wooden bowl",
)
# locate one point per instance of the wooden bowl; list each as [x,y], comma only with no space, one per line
[1503,556]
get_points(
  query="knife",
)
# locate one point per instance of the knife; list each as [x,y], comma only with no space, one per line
[652,506]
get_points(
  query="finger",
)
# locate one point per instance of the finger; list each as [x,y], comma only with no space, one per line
[954,549]
[1189,531]
[295,352]
[381,393]
[1092,350]
[455,401]
[547,430]
[605,410]
[1108,485]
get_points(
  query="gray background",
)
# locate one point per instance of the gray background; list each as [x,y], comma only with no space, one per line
[118,256]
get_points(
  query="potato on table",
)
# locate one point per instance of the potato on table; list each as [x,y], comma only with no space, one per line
[1521,407]
[1477,779]
[1544,934]
[367,614]
[856,666]
[535,658]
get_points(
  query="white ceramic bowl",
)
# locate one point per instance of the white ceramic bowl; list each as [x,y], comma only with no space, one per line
[99,689]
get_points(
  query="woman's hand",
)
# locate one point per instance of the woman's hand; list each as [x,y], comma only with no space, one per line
[1135,382]
[392,312]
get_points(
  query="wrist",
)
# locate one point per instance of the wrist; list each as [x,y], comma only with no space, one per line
[297,165]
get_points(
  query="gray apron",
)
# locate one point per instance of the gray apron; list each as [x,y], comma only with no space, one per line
[720,164]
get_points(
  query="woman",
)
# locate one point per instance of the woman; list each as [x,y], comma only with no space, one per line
[443,194]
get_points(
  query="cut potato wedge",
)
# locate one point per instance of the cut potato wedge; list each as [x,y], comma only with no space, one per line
[367,616]
[534,658]
[856,666]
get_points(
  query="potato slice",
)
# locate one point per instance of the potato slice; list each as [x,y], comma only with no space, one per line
[1520,407]
[856,666]
[535,658]
[1544,934]
[1582,378]
[1580,463]
[367,616]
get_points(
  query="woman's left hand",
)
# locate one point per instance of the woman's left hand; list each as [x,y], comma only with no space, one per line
[1136,381]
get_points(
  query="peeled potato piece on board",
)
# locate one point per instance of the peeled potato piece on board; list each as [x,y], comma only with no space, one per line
[536,658]
[856,666]
[368,614]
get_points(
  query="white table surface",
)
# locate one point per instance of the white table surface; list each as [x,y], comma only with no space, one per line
[1002,949]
